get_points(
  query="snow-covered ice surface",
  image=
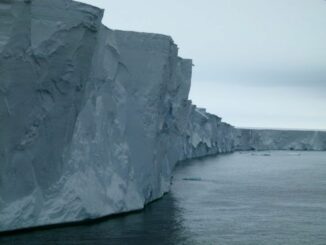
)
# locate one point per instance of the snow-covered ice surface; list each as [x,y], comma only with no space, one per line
[92,120]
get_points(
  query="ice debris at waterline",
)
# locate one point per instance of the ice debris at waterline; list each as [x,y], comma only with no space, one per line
[92,120]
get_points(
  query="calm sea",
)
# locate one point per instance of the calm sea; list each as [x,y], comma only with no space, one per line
[241,198]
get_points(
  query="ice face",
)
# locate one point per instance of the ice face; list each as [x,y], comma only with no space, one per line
[249,139]
[92,120]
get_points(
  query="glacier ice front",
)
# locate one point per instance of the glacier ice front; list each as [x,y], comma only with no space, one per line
[93,120]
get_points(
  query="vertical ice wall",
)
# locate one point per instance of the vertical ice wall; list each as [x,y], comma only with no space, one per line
[267,139]
[92,120]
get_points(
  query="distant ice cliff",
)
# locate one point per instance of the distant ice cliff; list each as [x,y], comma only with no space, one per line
[268,139]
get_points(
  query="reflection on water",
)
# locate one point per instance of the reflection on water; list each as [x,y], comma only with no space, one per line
[241,198]
[157,224]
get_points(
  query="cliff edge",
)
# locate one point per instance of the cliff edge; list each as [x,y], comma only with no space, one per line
[93,120]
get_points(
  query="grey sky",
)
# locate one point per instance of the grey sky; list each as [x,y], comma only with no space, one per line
[258,63]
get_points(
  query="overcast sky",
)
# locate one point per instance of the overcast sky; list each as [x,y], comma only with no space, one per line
[258,63]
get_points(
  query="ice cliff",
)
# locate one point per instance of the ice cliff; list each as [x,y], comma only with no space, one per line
[92,120]
[267,139]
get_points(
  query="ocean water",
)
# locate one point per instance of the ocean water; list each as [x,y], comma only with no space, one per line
[241,198]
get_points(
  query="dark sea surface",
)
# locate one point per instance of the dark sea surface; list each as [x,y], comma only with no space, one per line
[241,198]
